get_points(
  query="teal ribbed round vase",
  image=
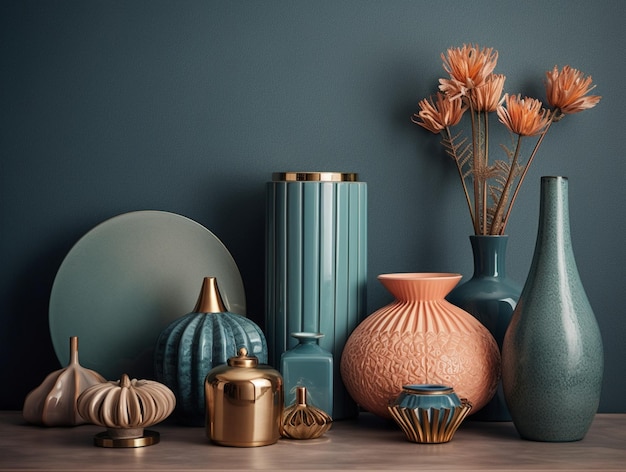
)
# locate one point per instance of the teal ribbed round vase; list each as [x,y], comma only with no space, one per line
[552,356]
[189,347]
[490,296]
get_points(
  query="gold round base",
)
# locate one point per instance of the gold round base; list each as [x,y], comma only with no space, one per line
[148,439]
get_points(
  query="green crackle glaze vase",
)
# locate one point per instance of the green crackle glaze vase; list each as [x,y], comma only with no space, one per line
[552,355]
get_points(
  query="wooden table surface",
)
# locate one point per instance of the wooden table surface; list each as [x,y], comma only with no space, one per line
[366,443]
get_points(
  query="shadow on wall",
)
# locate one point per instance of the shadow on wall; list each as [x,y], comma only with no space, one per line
[237,218]
[32,355]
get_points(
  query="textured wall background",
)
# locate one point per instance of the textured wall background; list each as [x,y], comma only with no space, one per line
[189,106]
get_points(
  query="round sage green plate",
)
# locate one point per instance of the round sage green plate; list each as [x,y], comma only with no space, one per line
[125,280]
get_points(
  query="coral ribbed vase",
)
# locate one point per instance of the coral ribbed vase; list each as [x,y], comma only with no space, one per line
[420,338]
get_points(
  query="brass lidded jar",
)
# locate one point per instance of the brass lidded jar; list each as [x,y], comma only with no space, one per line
[244,402]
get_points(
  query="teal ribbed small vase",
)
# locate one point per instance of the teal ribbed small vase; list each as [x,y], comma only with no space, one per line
[552,356]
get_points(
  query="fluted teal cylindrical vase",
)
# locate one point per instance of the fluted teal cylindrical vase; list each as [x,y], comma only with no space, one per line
[316,265]
[552,355]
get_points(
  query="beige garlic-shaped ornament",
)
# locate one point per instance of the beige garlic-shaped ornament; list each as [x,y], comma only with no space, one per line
[125,408]
[303,421]
[53,402]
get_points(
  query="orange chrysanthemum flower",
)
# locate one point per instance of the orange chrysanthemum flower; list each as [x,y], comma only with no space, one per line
[523,116]
[488,95]
[468,67]
[567,90]
[436,117]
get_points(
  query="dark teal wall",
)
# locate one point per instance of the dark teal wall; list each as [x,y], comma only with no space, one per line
[189,106]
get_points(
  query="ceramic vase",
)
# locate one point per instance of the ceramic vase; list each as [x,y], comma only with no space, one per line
[429,414]
[316,263]
[490,296]
[308,365]
[552,357]
[53,402]
[189,347]
[420,338]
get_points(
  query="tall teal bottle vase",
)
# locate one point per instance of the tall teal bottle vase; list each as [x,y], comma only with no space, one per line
[308,365]
[316,263]
[490,296]
[552,356]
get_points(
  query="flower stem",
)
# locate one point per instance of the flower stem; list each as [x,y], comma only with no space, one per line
[486,164]
[476,166]
[497,225]
[525,171]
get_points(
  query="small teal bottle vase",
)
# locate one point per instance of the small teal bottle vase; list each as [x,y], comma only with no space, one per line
[308,365]
[490,296]
[316,265]
[552,356]
[189,347]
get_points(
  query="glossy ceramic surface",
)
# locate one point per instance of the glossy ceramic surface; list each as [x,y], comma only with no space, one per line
[316,268]
[54,401]
[430,425]
[427,396]
[191,346]
[310,366]
[126,280]
[490,296]
[420,338]
[552,358]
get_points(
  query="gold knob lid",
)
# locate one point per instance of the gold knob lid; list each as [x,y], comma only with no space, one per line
[242,359]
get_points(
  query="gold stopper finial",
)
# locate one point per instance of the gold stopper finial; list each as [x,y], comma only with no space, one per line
[301,395]
[210,299]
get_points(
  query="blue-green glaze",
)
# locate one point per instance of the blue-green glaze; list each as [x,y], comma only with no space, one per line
[490,296]
[316,269]
[308,365]
[552,357]
[189,347]
[427,396]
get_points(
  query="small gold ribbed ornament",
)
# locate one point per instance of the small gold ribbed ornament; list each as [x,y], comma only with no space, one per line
[302,421]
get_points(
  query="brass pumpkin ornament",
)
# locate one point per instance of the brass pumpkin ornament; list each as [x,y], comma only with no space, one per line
[53,402]
[125,408]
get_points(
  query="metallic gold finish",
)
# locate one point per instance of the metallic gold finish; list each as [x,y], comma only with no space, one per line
[210,300]
[302,421]
[244,402]
[430,425]
[315,177]
[148,439]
